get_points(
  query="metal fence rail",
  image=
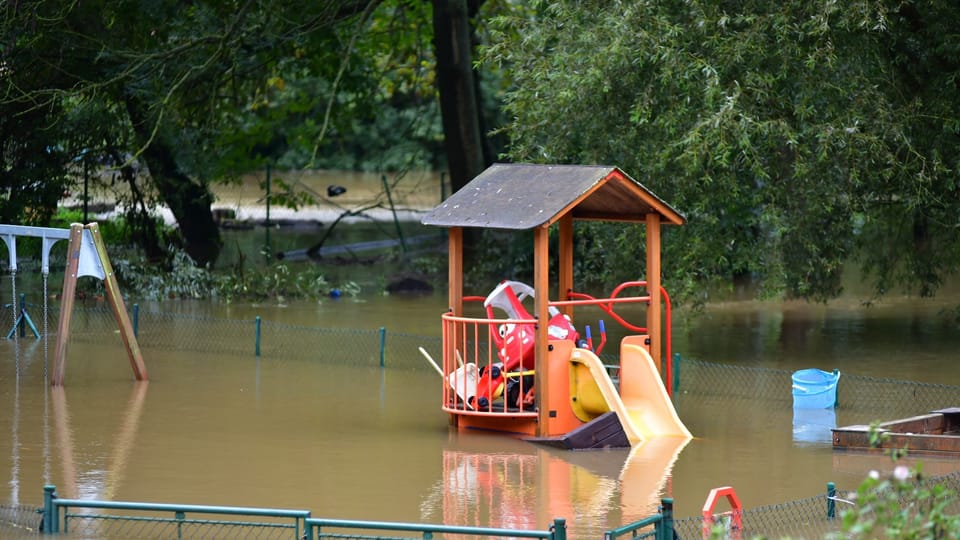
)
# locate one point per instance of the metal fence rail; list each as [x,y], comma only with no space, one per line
[659,526]
[861,399]
[323,529]
[154,520]
[813,517]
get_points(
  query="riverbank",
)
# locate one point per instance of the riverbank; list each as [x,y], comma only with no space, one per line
[349,196]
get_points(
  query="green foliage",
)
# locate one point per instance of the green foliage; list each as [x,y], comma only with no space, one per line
[357,97]
[794,136]
[115,232]
[905,505]
[182,279]
[34,170]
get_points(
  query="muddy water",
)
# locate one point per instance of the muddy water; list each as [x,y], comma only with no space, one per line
[371,443]
[367,443]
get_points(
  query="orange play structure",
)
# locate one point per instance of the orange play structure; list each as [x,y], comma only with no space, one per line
[504,371]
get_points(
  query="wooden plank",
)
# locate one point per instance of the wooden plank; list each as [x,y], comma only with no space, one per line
[951,418]
[604,431]
[455,270]
[924,434]
[66,304]
[541,284]
[653,287]
[928,423]
[116,305]
[938,444]
[565,262]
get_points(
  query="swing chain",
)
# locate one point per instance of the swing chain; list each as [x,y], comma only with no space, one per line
[46,330]
[13,305]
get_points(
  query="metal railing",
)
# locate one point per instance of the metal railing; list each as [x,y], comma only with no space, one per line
[157,520]
[658,526]
[812,517]
[322,529]
[861,398]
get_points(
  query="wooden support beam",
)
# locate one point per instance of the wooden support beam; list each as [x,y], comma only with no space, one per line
[455,270]
[78,263]
[565,271]
[541,286]
[654,325]
[116,304]
[66,303]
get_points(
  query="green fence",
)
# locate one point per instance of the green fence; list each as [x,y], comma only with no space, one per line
[861,398]
[323,529]
[814,517]
[16,517]
[77,518]
[657,527]
[112,519]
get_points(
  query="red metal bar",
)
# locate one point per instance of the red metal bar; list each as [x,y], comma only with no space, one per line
[606,304]
[735,513]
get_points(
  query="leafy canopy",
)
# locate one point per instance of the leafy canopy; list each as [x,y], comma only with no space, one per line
[795,136]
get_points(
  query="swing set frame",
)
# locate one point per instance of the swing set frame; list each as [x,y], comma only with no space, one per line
[86,256]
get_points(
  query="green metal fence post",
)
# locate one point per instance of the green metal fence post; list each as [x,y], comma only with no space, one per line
[50,523]
[383,345]
[831,500]
[136,320]
[257,336]
[559,529]
[676,372]
[666,523]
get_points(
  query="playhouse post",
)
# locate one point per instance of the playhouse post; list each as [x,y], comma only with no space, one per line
[653,285]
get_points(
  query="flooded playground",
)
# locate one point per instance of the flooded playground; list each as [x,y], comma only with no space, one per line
[340,415]
[364,442]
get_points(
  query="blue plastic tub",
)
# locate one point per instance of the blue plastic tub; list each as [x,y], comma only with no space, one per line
[815,389]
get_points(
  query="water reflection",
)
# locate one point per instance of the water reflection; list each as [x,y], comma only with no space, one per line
[67,484]
[355,442]
[812,426]
[531,485]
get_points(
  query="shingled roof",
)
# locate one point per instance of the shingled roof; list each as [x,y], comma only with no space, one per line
[525,196]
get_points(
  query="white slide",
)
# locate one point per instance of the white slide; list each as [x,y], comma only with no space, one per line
[643,406]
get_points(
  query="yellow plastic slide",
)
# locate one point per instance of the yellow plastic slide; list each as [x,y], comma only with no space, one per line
[643,406]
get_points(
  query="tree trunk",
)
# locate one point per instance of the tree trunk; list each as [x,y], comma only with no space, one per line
[463,139]
[460,109]
[189,201]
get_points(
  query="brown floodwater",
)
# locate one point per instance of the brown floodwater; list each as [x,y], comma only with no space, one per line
[371,443]
[360,442]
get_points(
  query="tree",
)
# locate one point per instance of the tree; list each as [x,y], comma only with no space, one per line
[794,136]
[215,89]
[457,90]
[172,75]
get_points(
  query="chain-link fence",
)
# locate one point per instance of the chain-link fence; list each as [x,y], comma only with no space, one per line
[267,339]
[803,518]
[820,516]
[15,517]
[858,395]
[861,399]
